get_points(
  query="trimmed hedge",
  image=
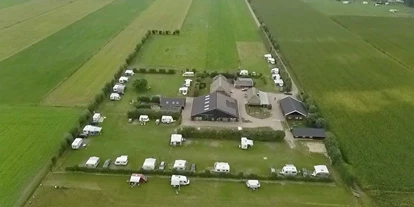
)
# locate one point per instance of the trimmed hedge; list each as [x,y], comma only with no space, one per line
[205,174]
[156,71]
[258,134]
[153,114]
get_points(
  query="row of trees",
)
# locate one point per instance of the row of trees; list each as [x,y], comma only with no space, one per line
[165,32]
[314,118]
[154,70]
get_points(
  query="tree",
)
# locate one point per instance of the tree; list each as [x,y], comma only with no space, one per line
[312,108]
[320,123]
[311,119]
[140,84]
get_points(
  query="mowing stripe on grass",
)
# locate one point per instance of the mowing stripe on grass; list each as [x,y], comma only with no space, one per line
[22,12]
[88,80]
[251,56]
[15,39]
[9,3]
[49,61]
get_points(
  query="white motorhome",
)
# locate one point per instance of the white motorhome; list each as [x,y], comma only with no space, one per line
[179,180]
[167,119]
[244,72]
[180,165]
[176,139]
[221,167]
[144,118]
[289,170]
[149,164]
[183,90]
[274,71]
[275,76]
[129,73]
[92,130]
[246,143]
[253,184]
[121,160]
[188,74]
[77,143]
[115,97]
[271,61]
[119,88]
[267,56]
[320,171]
[123,79]
[92,162]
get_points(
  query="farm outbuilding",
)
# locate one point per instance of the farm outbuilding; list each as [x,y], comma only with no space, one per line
[215,107]
[221,85]
[312,133]
[243,83]
[257,98]
[172,103]
[293,109]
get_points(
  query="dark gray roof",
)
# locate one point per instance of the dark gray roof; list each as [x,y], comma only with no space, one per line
[244,82]
[172,102]
[309,132]
[215,101]
[290,105]
[220,84]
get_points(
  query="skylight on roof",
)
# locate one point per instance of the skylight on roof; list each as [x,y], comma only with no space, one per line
[205,109]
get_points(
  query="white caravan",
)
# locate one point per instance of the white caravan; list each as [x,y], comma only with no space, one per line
[77,143]
[289,170]
[121,160]
[253,184]
[179,180]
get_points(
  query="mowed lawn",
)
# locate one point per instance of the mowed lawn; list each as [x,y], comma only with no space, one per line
[53,59]
[8,3]
[208,40]
[103,190]
[104,64]
[15,38]
[30,136]
[365,95]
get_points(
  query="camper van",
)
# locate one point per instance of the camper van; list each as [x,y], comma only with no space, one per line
[149,164]
[188,74]
[253,184]
[97,118]
[119,88]
[275,76]
[92,130]
[77,143]
[271,61]
[179,180]
[115,97]
[180,165]
[121,160]
[289,170]
[176,139]
[221,167]
[267,56]
[167,119]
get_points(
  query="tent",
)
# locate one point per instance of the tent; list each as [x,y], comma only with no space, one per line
[246,143]
[180,164]
[221,167]
[137,178]
[92,162]
[176,139]
[149,164]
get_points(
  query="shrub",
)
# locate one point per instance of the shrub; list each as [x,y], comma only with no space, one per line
[162,71]
[155,99]
[140,84]
[171,71]
[143,106]
[142,70]
[144,99]
[152,70]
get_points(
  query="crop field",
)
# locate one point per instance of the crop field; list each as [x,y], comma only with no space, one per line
[364,93]
[30,136]
[15,39]
[8,3]
[93,190]
[51,60]
[101,67]
[209,39]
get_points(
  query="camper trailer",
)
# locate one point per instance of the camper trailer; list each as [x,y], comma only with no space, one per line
[129,73]
[149,164]
[97,118]
[121,160]
[320,171]
[77,143]
[180,165]
[167,119]
[253,184]
[246,143]
[119,88]
[92,130]
[188,74]
[176,139]
[136,179]
[221,167]
[278,82]
[144,118]
[244,72]
[275,76]
[187,82]
[267,56]
[274,71]
[289,170]
[183,90]
[123,79]
[115,97]
[179,180]
[92,162]
[271,61]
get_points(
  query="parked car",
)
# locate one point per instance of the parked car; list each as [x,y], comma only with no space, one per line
[162,166]
[245,89]
[107,163]
[288,93]
[193,167]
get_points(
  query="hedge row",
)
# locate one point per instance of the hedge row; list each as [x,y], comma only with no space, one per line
[153,114]
[257,134]
[314,118]
[205,174]
[154,70]
[149,99]
[165,32]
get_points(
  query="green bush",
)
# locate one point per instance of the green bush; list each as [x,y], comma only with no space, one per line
[152,70]
[163,71]
[142,70]
[257,134]
[145,99]
[171,71]
[143,106]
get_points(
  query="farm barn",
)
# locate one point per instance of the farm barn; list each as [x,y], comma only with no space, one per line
[215,107]
[243,83]
[293,109]
[221,85]
[172,103]
[312,133]
[257,98]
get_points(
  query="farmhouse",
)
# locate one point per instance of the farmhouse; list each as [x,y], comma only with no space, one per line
[292,108]
[180,165]
[243,83]
[149,164]
[257,98]
[176,139]
[309,133]
[215,107]
[172,103]
[221,85]
[92,162]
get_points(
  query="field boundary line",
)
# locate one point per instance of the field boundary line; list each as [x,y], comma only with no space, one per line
[77,68]
[50,10]
[373,45]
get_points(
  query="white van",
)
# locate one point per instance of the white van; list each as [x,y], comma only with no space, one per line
[167,119]
[77,143]
[179,180]
[188,74]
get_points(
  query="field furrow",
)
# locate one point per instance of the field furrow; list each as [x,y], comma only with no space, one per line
[21,12]
[87,81]
[15,39]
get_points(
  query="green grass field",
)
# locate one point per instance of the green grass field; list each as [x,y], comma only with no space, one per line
[53,59]
[95,190]
[30,136]
[365,95]
[8,3]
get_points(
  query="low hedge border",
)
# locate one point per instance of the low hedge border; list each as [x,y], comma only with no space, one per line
[205,174]
[156,71]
